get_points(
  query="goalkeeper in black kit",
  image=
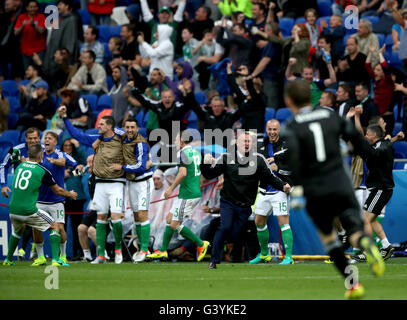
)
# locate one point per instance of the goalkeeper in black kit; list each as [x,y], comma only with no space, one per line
[314,155]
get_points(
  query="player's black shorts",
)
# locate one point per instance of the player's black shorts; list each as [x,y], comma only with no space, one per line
[89,219]
[377,200]
[325,208]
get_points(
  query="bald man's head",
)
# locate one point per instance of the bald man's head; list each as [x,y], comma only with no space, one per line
[273,130]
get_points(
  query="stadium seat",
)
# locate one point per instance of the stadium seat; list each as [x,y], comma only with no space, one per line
[394,60]
[11,136]
[345,38]
[372,19]
[12,119]
[395,112]
[92,99]
[283,114]
[115,31]
[192,120]
[85,16]
[14,105]
[142,118]
[108,53]
[400,149]
[324,8]
[23,82]
[10,88]
[201,98]
[104,102]
[300,20]
[286,24]
[389,40]
[143,132]
[269,114]
[4,148]
[382,38]
[397,128]
[104,33]
[109,81]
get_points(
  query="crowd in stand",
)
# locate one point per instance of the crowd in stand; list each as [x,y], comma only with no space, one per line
[135,58]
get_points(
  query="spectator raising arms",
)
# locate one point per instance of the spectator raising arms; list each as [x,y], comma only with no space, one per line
[31,27]
[161,52]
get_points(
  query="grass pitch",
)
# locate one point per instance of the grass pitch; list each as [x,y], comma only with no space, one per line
[193,281]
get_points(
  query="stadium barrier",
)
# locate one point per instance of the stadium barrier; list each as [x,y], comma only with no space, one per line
[306,241]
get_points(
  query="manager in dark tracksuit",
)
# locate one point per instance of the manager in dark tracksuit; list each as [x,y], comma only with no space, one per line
[243,169]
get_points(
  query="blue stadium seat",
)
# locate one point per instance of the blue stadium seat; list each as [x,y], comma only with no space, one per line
[283,114]
[85,16]
[394,60]
[115,31]
[4,148]
[108,53]
[372,19]
[397,128]
[142,118]
[400,149]
[14,104]
[12,119]
[192,120]
[324,8]
[104,33]
[109,81]
[345,38]
[300,20]
[389,41]
[381,37]
[201,98]
[10,88]
[104,102]
[92,99]
[23,82]
[286,24]
[269,114]
[395,112]
[11,136]
[143,132]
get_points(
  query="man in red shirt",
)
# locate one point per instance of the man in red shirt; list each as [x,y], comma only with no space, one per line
[31,26]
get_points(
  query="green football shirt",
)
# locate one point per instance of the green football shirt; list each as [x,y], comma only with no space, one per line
[28,178]
[190,187]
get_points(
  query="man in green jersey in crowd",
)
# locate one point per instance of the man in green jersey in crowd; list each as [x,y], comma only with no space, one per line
[28,178]
[189,180]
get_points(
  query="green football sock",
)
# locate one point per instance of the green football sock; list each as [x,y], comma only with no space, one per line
[287,236]
[145,235]
[101,237]
[55,240]
[12,245]
[167,237]
[188,234]
[263,236]
[118,233]
[137,230]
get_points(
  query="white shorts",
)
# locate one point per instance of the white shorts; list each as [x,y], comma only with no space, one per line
[41,221]
[56,210]
[140,194]
[182,209]
[273,203]
[108,196]
[361,196]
